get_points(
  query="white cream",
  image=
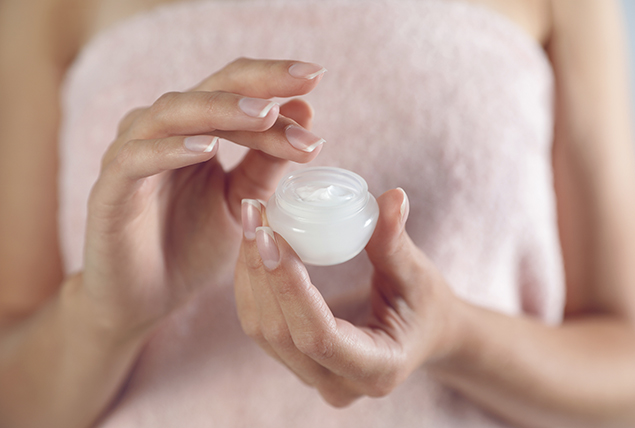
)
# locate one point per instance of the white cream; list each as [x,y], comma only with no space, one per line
[325,194]
[326,214]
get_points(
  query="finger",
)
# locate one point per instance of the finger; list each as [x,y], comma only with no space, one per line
[258,174]
[194,113]
[224,115]
[300,111]
[272,333]
[255,177]
[139,159]
[265,78]
[362,356]
[129,119]
[274,330]
[285,139]
[246,305]
[408,291]
[392,252]
[394,209]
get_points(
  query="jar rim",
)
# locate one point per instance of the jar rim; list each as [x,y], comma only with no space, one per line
[288,199]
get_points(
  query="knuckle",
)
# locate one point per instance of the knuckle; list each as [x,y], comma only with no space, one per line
[251,326]
[159,149]
[232,71]
[338,399]
[166,99]
[239,62]
[115,163]
[381,388]
[213,102]
[277,334]
[157,112]
[120,164]
[129,119]
[93,202]
[253,263]
[318,346]
[390,378]
[110,154]
[123,157]
[287,289]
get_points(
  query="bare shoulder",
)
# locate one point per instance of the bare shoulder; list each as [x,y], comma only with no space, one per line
[54,27]
[105,13]
[66,24]
[588,43]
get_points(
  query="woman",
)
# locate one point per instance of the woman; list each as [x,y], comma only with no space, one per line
[146,335]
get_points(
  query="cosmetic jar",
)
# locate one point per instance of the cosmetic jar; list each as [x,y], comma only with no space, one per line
[326,214]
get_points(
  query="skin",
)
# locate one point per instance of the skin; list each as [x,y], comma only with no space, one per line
[577,374]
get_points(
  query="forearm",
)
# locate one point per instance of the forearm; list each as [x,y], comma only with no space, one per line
[579,374]
[62,366]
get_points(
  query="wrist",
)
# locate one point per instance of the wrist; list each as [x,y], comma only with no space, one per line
[456,335]
[99,321]
[465,345]
[452,335]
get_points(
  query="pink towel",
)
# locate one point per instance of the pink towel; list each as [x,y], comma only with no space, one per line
[445,99]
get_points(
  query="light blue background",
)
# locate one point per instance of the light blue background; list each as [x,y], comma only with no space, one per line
[629,12]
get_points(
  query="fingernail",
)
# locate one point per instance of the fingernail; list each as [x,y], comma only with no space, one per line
[302,139]
[255,107]
[267,247]
[305,70]
[200,143]
[250,213]
[404,210]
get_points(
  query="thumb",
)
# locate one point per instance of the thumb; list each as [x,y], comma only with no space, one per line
[390,242]
[398,263]
[257,175]
[300,111]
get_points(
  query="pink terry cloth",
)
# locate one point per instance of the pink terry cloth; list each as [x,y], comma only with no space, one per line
[447,100]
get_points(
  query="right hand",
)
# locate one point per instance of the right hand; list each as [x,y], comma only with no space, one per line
[163,216]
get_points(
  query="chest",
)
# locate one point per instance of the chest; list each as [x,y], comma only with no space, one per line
[530,15]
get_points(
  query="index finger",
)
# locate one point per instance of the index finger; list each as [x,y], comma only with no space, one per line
[356,354]
[264,78]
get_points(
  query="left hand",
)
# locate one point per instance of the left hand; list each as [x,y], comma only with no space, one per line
[410,309]
[163,215]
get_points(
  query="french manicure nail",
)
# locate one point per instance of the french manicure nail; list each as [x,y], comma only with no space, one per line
[255,107]
[404,209]
[250,213]
[305,70]
[200,143]
[267,247]
[302,139]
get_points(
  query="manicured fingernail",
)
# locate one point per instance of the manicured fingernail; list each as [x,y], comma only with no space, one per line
[250,214]
[255,107]
[267,247]
[200,143]
[305,70]
[404,209]
[302,139]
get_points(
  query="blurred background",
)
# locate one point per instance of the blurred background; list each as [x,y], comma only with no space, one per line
[629,9]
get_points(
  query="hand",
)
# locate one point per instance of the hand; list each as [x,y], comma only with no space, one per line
[410,309]
[163,217]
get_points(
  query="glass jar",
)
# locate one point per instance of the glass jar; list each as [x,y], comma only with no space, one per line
[326,214]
